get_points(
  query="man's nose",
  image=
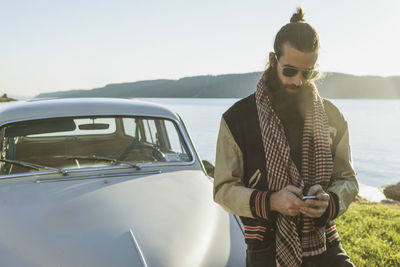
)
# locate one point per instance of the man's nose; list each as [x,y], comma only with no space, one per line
[298,79]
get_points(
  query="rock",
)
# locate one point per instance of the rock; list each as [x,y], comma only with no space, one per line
[5,98]
[390,202]
[392,191]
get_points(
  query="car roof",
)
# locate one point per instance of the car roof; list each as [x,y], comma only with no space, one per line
[36,109]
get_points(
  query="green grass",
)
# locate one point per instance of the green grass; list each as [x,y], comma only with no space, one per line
[371,233]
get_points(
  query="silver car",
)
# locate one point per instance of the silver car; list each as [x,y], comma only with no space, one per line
[107,182]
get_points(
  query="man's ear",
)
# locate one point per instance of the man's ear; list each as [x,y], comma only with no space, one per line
[272,59]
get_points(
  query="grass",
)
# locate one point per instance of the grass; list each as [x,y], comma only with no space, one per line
[371,233]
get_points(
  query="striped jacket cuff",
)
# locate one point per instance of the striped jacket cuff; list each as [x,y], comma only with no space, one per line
[332,234]
[259,204]
[331,212]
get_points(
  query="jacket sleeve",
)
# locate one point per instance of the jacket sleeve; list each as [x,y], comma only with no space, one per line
[229,190]
[343,187]
[344,182]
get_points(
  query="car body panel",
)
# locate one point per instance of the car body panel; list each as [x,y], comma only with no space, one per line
[88,222]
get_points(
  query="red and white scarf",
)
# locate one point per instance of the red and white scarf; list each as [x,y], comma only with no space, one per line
[316,168]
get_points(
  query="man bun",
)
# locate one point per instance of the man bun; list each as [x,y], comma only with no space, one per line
[298,16]
[298,33]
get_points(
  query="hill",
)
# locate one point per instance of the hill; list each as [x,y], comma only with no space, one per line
[333,85]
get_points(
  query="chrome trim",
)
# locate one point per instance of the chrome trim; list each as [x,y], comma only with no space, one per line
[96,176]
[25,174]
[93,169]
[192,143]
[179,122]
[138,250]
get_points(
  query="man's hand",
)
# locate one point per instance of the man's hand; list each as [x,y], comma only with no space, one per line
[287,201]
[315,207]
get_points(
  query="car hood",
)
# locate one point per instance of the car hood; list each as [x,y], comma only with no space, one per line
[166,219]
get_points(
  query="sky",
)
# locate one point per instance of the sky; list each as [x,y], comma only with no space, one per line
[48,45]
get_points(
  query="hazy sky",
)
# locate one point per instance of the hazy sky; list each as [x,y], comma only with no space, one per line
[53,45]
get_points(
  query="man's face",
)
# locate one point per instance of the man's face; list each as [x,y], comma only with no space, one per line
[291,57]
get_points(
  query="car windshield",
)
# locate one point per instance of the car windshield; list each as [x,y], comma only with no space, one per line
[85,142]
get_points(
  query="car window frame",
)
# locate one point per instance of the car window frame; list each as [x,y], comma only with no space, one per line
[178,123]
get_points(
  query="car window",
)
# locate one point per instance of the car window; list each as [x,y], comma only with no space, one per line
[151,131]
[86,126]
[65,142]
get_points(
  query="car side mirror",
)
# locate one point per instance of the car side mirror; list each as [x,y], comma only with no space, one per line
[209,167]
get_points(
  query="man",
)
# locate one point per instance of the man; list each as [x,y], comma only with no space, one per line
[282,143]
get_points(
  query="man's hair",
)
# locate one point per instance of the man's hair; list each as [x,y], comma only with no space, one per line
[298,34]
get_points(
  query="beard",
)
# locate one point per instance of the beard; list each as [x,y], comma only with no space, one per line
[284,102]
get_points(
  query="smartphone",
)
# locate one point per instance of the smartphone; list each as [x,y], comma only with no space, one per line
[309,197]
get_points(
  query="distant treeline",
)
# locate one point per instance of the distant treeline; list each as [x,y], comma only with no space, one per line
[333,85]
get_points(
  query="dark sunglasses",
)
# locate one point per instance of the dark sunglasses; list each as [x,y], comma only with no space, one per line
[290,71]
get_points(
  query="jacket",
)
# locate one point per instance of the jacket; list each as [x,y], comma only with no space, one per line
[240,171]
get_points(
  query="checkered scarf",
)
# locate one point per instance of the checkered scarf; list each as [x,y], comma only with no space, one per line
[296,236]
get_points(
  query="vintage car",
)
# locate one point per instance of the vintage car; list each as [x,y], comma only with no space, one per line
[107,182]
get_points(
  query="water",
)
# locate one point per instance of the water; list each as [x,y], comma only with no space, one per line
[374,126]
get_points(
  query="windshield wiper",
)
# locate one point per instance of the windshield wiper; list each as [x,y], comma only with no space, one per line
[113,161]
[34,166]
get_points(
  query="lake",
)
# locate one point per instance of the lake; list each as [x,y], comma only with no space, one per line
[374,127]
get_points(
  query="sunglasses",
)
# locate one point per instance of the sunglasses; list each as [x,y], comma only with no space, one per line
[290,71]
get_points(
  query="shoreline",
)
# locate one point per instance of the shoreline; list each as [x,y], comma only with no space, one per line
[371,193]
